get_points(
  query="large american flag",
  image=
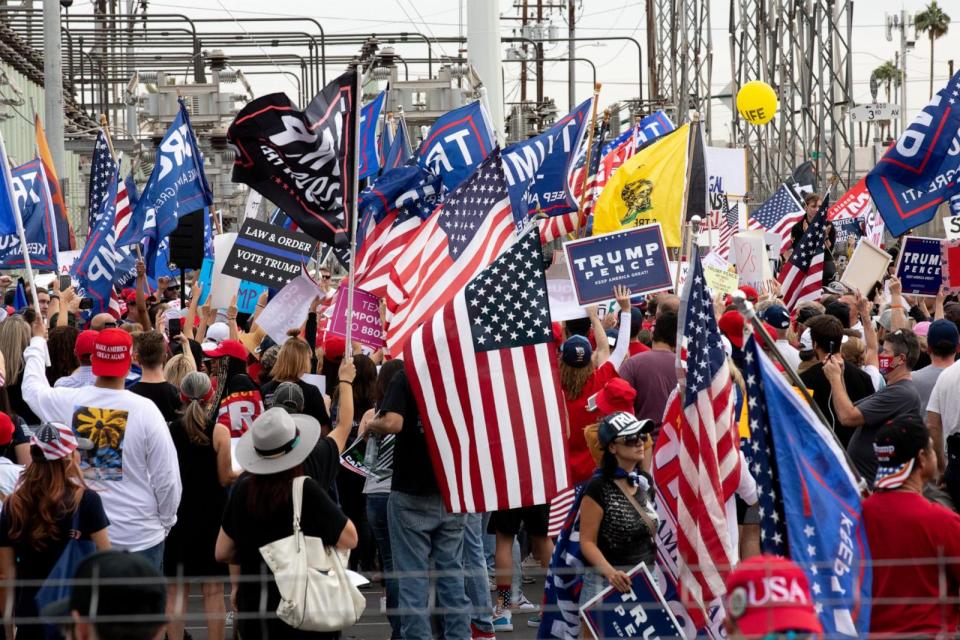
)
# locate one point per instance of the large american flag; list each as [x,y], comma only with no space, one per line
[802,275]
[729,225]
[102,168]
[484,371]
[383,244]
[591,190]
[453,245]
[778,215]
[709,450]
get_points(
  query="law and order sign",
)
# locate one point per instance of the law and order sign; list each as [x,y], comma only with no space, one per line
[633,258]
[267,254]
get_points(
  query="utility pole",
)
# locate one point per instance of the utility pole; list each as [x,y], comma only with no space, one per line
[53,84]
[539,54]
[571,63]
[902,22]
[523,65]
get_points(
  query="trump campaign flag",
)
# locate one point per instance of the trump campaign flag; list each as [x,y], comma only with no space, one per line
[396,148]
[537,169]
[458,141]
[31,192]
[810,505]
[97,263]
[919,172]
[369,160]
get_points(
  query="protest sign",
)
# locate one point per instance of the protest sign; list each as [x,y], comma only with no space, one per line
[222,285]
[633,258]
[268,254]
[367,324]
[65,260]
[951,226]
[866,267]
[918,266]
[852,204]
[950,264]
[289,307]
[727,172]
[721,281]
[378,467]
[681,270]
[563,299]
[750,256]
[641,613]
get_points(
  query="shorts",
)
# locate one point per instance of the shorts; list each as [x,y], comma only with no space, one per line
[508,521]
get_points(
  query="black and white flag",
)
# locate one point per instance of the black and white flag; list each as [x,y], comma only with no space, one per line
[302,161]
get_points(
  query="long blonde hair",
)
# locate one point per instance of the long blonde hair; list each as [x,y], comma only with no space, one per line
[177,369]
[14,338]
[292,362]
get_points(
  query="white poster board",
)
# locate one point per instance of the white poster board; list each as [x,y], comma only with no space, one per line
[951,226]
[749,250]
[727,171]
[866,267]
[222,287]
[563,299]
[289,307]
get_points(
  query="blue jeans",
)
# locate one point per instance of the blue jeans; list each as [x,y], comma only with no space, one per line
[154,555]
[421,530]
[475,572]
[377,517]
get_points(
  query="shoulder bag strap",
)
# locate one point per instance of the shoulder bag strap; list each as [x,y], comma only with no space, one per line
[297,502]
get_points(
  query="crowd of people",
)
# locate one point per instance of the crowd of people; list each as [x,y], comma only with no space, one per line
[168,441]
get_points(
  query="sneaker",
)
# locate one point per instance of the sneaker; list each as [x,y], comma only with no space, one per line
[502,619]
[527,579]
[530,562]
[523,605]
[534,621]
[477,634]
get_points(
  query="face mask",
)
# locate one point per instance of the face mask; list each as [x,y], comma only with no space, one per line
[886,363]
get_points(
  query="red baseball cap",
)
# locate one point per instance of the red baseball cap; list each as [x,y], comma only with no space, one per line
[6,430]
[111,353]
[731,325]
[233,348]
[615,396]
[334,346]
[770,594]
[84,344]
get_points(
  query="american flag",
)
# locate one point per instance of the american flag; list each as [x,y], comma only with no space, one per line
[484,371]
[576,176]
[778,215]
[102,168]
[459,239]
[124,211]
[384,243]
[729,225]
[709,451]
[55,440]
[802,275]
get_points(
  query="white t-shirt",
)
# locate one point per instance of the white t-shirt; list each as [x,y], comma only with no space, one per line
[945,400]
[133,464]
[790,354]
[9,475]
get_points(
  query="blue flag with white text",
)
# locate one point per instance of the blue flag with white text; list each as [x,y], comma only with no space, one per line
[369,159]
[177,185]
[396,148]
[39,223]
[809,502]
[8,221]
[97,263]
[537,169]
[458,141]
[919,172]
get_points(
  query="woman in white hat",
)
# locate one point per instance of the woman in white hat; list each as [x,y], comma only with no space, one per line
[260,510]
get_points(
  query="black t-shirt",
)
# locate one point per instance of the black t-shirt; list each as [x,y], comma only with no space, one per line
[320,518]
[625,538]
[19,437]
[313,403]
[323,463]
[857,383]
[162,394]
[19,406]
[412,467]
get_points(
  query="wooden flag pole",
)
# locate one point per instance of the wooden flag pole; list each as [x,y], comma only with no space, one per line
[105,125]
[581,222]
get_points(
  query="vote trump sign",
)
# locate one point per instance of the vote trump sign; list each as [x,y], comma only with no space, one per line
[633,258]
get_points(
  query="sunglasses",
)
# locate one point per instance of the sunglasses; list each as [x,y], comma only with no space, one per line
[324,277]
[631,440]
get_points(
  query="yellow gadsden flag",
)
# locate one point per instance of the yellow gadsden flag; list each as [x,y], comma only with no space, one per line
[647,188]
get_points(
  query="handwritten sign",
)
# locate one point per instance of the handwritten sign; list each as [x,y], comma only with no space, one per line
[918,266]
[641,613]
[720,281]
[367,325]
[750,256]
[289,307]
[633,258]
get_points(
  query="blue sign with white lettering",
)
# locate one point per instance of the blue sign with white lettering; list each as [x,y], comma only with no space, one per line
[918,266]
[458,141]
[641,613]
[633,258]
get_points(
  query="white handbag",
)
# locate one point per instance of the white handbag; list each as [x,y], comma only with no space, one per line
[315,592]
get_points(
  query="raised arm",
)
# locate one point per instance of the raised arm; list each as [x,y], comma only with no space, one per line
[141,288]
[341,431]
[620,350]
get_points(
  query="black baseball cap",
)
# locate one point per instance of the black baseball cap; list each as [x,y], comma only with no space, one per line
[113,587]
[897,445]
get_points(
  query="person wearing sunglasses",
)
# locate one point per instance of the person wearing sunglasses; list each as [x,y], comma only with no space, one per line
[618,522]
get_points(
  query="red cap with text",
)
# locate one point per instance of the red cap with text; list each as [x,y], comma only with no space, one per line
[111,353]
[770,594]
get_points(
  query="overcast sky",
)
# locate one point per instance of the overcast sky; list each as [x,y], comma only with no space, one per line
[616,61]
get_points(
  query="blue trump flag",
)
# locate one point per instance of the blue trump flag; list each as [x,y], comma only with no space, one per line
[647,130]
[39,224]
[177,185]
[369,159]
[920,171]
[97,264]
[810,505]
[458,141]
[537,169]
[8,214]
[397,147]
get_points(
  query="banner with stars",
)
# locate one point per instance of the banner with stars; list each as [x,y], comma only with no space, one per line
[267,254]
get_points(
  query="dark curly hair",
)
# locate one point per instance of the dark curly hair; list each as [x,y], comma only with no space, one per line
[63,360]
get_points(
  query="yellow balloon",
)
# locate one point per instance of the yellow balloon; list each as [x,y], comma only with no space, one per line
[757,102]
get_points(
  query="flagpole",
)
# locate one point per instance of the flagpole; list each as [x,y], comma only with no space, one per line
[586,164]
[354,209]
[20,232]
[105,125]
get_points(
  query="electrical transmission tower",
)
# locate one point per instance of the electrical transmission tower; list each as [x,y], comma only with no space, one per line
[685,47]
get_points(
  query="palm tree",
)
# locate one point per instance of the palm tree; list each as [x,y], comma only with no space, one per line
[889,75]
[935,22]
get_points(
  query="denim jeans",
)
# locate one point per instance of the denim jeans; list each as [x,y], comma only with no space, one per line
[377,516]
[154,555]
[475,572]
[421,530]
